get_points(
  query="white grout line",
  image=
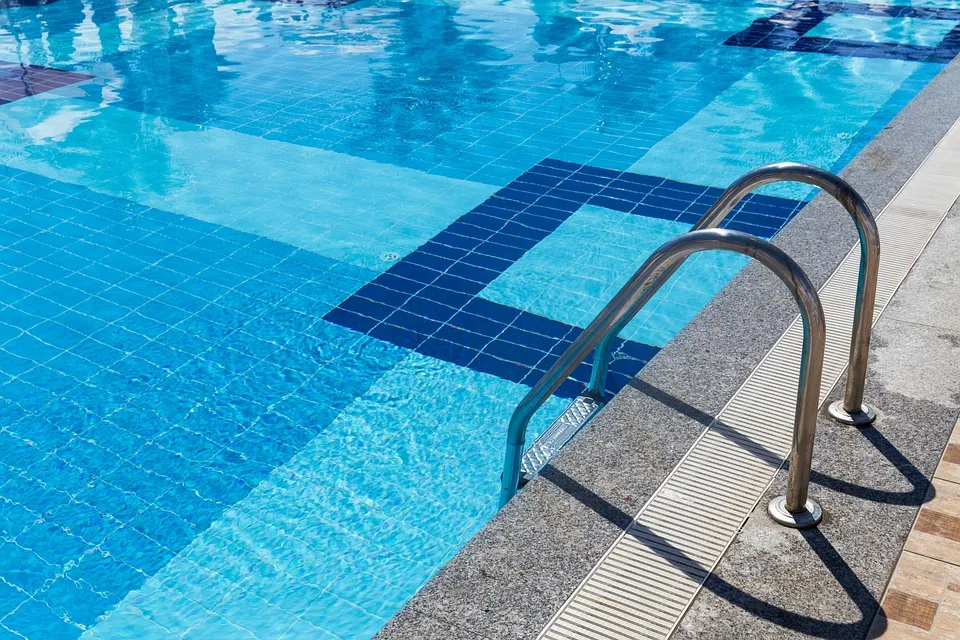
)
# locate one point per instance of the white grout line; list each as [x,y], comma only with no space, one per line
[648,578]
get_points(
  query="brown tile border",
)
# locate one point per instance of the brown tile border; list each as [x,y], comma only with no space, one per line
[952,454]
[21,81]
[927,567]
[938,524]
[908,609]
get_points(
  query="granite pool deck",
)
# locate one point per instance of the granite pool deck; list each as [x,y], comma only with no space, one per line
[772,582]
[829,582]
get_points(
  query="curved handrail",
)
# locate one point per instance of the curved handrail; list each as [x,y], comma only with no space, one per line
[628,302]
[852,410]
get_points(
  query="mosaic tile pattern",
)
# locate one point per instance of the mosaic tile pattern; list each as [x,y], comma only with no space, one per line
[789,31]
[429,301]
[154,369]
[570,275]
[346,208]
[19,81]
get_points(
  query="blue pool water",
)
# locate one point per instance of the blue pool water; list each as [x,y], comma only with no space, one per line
[273,275]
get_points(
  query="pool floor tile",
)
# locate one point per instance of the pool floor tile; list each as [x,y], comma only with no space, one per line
[155,439]
[453,298]
[314,550]
[792,30]
[274,274]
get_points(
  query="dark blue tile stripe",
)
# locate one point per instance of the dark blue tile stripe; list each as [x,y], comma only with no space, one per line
[332,4]
[520,350]
[892,11]
[428,301]
[786,31]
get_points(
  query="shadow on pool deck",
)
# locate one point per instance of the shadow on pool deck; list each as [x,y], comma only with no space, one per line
[772,581]
[914,476]
[831,559]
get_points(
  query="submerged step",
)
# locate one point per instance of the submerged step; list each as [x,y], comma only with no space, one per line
[558,434]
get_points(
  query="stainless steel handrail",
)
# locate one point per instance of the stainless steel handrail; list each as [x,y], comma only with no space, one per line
[852,409]
[627,303]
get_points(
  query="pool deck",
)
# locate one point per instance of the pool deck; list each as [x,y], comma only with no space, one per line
[827,582]
[521,568]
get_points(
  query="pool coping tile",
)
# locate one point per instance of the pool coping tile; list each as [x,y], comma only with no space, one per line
[511,578]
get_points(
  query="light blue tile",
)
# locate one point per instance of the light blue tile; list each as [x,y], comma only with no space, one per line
[128,622]
[771,115]
[922,32]
[165,607]
[215,627]
[572,274]
[344,550]
[183,404]
[343,207]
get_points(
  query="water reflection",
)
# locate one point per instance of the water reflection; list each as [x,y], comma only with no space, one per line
[437,71]
[474,90]
[177,75]
[182,77]
[440,87]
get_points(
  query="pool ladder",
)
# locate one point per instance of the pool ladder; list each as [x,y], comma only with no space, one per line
[795,509]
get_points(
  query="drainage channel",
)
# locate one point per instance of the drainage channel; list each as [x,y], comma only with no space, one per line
[646,581]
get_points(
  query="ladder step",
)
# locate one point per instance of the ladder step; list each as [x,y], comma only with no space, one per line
[558,434]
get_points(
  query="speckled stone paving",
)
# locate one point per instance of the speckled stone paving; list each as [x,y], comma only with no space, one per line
[564,521]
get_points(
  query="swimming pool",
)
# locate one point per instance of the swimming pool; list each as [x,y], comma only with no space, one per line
[274,274]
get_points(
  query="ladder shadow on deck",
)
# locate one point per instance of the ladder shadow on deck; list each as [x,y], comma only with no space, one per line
[916,496]
[858,593]
[861,597]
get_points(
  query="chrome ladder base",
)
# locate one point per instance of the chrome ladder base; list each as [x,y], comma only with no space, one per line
[861,418]
[811,515]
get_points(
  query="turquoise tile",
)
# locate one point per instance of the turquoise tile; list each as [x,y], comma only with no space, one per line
[188,449]
[771,115]
[312,534]
[277,190]
[912,31]
[572,274]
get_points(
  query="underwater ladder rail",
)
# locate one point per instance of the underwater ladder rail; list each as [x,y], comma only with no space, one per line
[795,509]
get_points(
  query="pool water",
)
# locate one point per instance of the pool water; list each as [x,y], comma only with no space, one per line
[274,274]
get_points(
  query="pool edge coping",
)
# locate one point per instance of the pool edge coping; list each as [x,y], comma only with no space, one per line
[826,578]
[522,566]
